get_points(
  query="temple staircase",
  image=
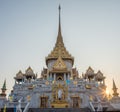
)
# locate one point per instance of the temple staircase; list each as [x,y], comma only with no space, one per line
[59,110]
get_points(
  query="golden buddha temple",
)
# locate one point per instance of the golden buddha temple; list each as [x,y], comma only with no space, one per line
[60,87]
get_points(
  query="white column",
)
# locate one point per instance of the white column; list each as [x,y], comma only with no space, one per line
[50,76]
[47,76]
[64,76]
[68,76]
[54,76]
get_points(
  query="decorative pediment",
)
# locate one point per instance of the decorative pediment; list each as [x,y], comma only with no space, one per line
[59,64]
[99,76]
[90,71]
[29,72]
[19,75]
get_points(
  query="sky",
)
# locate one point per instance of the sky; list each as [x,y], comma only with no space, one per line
[90,29]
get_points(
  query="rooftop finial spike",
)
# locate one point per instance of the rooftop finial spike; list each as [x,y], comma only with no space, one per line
[115,93]
[59,38]
[59,16]
[59,7]
[59,49]
[114,85]
[4,85]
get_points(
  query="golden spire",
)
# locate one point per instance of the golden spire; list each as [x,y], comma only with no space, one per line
[114,85]
[114,89]
[3,89]
[59,37]
[4,85]
[59,49]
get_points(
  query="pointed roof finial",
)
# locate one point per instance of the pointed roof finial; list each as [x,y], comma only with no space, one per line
[59,49]
[114,85]
[59,7]
[3,94]
[115,93]
[59,17]
[59,38]
[4,85]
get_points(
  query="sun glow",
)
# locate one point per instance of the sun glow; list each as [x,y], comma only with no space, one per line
[107,92]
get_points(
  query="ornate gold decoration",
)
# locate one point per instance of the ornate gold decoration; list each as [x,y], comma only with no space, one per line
[28,97]
[71,78]
[59,103]
[59,64]
[47,83]
[88,86]
[59,77]
[31,87]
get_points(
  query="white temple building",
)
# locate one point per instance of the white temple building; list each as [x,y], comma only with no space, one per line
[59,86]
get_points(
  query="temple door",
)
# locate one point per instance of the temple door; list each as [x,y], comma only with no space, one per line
[44,101]
[75,102]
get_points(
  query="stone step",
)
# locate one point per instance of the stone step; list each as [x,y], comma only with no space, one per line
[59,110]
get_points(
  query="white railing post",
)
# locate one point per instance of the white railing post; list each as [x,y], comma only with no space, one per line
[26,107]
[92,107]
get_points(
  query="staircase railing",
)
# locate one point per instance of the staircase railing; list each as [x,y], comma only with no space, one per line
[26,107]
[92,107]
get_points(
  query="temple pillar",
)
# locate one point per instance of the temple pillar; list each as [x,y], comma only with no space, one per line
[47,76]
[64,76]
[68,76]
[51,76]
[54,76]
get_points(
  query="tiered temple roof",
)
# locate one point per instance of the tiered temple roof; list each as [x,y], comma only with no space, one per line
[19,75]
[59,49]
[99,76]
